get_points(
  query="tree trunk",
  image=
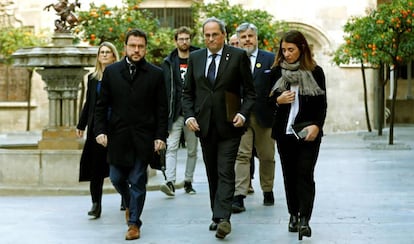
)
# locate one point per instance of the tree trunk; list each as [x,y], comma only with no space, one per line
[364,81]
[392,115]
[380,95]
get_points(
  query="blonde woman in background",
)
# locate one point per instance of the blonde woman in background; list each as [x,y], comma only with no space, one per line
[93,163]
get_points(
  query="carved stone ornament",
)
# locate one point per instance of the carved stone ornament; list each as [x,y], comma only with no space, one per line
[66,11]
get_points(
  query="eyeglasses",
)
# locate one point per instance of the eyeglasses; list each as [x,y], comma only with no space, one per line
[135,46]
[183,39]
[105,52]
[214,35]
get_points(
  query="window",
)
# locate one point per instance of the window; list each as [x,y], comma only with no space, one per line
[173,17]
[13,83]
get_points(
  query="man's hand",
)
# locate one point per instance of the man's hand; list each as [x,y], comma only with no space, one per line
[102,139]
[159,145]
[238,121]
[193,125]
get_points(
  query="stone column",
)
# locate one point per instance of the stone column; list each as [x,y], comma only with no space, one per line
[62,85]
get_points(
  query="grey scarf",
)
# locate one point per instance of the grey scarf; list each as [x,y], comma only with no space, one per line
[291,74]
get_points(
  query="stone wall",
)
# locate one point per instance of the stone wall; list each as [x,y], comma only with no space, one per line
[55,168]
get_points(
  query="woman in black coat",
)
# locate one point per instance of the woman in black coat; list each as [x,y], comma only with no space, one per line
[300,96]
[93,163]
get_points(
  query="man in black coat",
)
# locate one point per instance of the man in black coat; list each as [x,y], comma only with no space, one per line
[134,90]
[212,73]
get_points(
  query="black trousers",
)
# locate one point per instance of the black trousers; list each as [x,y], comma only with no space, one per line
[99,170]
[298,160]
[219,156]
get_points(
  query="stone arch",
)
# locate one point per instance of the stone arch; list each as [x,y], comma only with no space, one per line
[317,39]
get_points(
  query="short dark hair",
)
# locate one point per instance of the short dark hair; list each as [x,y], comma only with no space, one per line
[182,29]
[135,32]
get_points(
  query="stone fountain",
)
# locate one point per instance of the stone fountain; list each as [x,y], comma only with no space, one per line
[62,66]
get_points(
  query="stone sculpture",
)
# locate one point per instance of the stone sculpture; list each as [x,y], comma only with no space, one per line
[65,10]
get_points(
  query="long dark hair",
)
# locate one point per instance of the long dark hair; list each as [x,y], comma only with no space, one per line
[296,37]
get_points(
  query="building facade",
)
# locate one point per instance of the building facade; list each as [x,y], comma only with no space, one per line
[321,22]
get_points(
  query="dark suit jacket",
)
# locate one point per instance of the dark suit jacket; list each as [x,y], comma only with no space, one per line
[263,110]
[311,108]
[139,112]
[206,102]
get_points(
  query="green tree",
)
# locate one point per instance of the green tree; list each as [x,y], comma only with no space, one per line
[355,51]
[13,38]
[103,23]
[383,37]
[234,15]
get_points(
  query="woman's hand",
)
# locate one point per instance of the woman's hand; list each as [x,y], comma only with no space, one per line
[286,97]
[313,131]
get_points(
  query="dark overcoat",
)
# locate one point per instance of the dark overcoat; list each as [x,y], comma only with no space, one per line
[93,159]
[139,111]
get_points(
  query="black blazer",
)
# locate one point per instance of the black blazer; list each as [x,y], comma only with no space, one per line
[311,108]
[139,112]
[263,110]
[206,102]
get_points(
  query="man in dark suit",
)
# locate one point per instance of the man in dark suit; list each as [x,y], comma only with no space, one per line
[135,92]
[213,72]
[260,127]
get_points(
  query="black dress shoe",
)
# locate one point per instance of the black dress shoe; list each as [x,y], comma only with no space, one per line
[238,204]
[293,223]
[304,229]
[213,226]
[95,210]
[122,208]
[268,198]
[223,229]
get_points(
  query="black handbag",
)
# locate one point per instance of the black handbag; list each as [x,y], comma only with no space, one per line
[158,161]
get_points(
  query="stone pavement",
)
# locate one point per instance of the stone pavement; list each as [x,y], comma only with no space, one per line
[365,194]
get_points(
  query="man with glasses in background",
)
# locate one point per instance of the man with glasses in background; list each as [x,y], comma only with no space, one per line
[175,67]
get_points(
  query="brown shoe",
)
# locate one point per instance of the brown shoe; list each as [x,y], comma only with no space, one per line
[127,215]
[133,233]
[223,229]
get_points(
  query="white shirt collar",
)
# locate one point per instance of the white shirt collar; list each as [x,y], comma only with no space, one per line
[255,52]
[219,53]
